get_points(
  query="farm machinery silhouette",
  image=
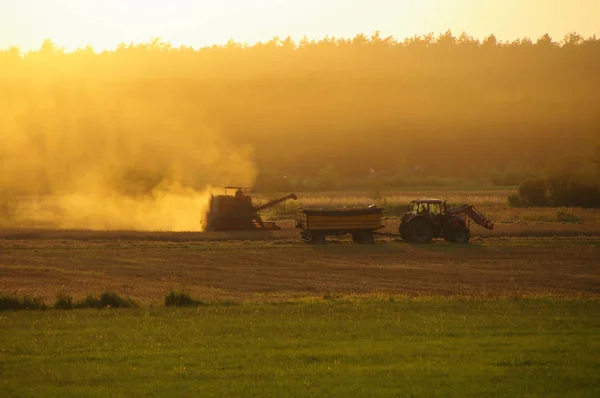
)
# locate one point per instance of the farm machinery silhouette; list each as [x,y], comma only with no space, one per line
[237,213]
[425,219]
[430,218]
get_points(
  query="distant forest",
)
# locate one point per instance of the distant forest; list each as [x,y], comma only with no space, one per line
[337,109]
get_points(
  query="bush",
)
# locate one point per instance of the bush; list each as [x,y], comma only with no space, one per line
[533,192]
[564,216]
[88,302]
[566,190]
[14,303]
[515,200]
[8,303]
[115,301]
[180,299]
[63,302]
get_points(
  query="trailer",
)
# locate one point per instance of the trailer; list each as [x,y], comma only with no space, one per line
[360,223]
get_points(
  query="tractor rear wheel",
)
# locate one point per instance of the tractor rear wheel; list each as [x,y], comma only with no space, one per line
[405,231]
[420,230]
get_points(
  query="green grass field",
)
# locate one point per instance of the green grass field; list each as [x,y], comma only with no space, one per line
[344,347]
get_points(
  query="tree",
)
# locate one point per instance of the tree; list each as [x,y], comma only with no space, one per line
[533,192]
[360,39]
[572,39]
[490,41]
[446,40]
[546,41]
[48,46]
[466,40]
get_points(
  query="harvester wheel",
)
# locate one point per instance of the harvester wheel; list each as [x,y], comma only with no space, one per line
[421,230]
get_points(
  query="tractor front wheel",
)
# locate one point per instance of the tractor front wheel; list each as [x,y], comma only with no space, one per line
[462,235]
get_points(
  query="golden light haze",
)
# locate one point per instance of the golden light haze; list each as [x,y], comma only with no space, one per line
[80,155]
[105,23]
[134,137]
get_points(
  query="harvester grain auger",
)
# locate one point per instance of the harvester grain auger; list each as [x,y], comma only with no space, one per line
[237,213]
[429,218]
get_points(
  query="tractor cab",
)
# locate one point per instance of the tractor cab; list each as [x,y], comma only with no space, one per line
[430,207]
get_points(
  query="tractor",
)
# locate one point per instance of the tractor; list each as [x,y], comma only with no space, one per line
[430,218]
[237,213]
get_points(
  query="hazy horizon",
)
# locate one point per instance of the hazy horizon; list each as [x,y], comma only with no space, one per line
[104,24]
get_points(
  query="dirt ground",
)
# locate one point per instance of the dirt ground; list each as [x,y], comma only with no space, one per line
[284,268]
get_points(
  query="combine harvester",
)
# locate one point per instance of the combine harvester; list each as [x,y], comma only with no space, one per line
[425,219]
[237,213]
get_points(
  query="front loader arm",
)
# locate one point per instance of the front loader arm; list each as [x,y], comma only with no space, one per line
[473,214]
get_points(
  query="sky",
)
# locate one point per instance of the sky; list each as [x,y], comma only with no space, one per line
[105,23]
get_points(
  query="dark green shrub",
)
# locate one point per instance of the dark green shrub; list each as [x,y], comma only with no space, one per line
[564,216]
[515,200]
[14,303]
[63,302]
[567,190]
[88,302]
[180,299]
[33,303]
[115,301]
[533,191]
[9,303]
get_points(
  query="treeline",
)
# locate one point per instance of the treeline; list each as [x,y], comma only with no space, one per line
[337,109]
[568,181]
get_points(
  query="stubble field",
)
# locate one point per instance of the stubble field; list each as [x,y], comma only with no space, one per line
[281,269]
[514,313]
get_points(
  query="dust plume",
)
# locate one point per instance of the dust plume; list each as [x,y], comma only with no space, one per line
[120,158]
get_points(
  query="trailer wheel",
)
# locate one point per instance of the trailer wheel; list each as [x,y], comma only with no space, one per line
[369,238]
[363,237]
[317,238]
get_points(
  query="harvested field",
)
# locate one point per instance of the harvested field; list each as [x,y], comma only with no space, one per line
[284,269]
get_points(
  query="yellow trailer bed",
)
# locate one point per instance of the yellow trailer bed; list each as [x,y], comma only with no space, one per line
[361,223]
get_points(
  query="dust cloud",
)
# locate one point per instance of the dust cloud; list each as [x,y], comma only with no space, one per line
[121,158]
